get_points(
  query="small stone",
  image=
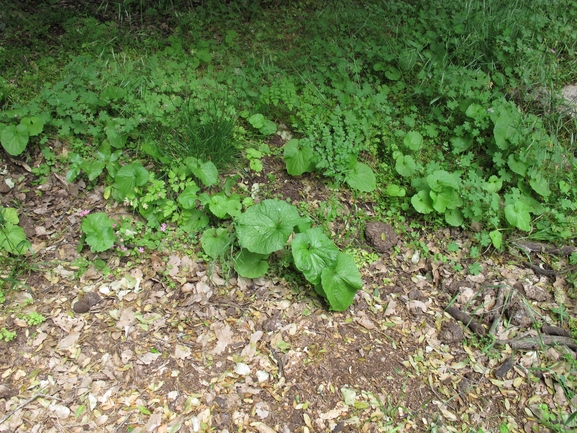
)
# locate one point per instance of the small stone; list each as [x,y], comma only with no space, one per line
[380,236]
[81,306]
[88,301]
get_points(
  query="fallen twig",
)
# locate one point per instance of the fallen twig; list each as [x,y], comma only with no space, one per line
[534,343]
[30,400]
[475,326]
[555,330]
[497,312]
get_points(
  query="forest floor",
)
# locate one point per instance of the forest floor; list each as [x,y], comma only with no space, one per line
[171,343]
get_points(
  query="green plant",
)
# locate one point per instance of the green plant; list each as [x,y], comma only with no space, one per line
[14,138]
[34,318]
[12,237]
[7,335]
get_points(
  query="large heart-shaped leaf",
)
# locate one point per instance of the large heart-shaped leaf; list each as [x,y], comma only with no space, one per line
[299,158]
[266,227]
[341,282]
[405,165]
[251,265]
[14,139]
[129,177]
[188,197]
[313,251]
[13,239]
[361,177]
[215,242]
[193,220]
[518,216]
[98,230]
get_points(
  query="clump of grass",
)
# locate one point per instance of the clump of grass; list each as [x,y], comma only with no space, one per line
[208,136]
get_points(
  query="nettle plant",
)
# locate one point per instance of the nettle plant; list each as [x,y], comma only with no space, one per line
[266,228]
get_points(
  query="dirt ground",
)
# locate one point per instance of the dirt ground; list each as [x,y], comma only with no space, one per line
[167,342]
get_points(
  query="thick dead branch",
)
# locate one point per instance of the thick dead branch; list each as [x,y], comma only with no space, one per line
[534,343]
[473,325]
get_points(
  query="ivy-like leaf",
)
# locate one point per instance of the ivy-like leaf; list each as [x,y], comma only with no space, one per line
[221,205]
[361,178]
[205,171]
[34,124]
[266,227]
[341,282]
[215,242]
[193,220]
[251,265]
[461,144]
[98,230]
[299,158]
[313,251]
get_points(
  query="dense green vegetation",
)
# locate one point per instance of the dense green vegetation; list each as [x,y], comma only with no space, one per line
[443,113]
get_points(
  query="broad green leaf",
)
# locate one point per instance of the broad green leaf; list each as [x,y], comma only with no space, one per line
[461,144]
[215,242]
[256,120]
[518,216]
[204,55]
[93,169]
[251,265]
[496,238]
[205,171]
[395,191]
[313,251]
[10,215]
[268,128]
[14,139]
[266,227]
[256,165]
[299,159]
[115,138]
[407,59]
[516,166]
[34,124]
[221,205]
[422,202]
[188,197]
[193,220]
[505,132]
[98,230]
[445,199]
[454,217]
[361,178]
[413,140]
[341,282]
[393,74]
[128,178]
[13,239]
[476,111]
[540,185]
[439,180]
[494,184]
[405,165]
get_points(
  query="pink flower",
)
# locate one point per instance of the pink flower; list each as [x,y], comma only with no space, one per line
[83,213]
[163,227]
[140,249]
[552,50]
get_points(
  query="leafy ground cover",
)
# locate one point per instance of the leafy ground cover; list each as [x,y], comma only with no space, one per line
[184,212]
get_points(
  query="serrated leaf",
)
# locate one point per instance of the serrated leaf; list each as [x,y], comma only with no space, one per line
[361,178]
[313,251]
[215,242]
[266,227]
[422,202]
[413,140]
[128,178]
[98,230]
[405,165]
[188,197]
[251,265]
[341,282]
[461,144]
[299,159]
[14,139]
[518,216]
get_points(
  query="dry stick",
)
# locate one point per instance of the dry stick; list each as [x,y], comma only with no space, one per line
[467,320]
[555,330]
[535,343]
[496,313]
[30,400]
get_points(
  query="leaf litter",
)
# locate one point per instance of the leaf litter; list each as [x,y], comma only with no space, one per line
[171,345]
